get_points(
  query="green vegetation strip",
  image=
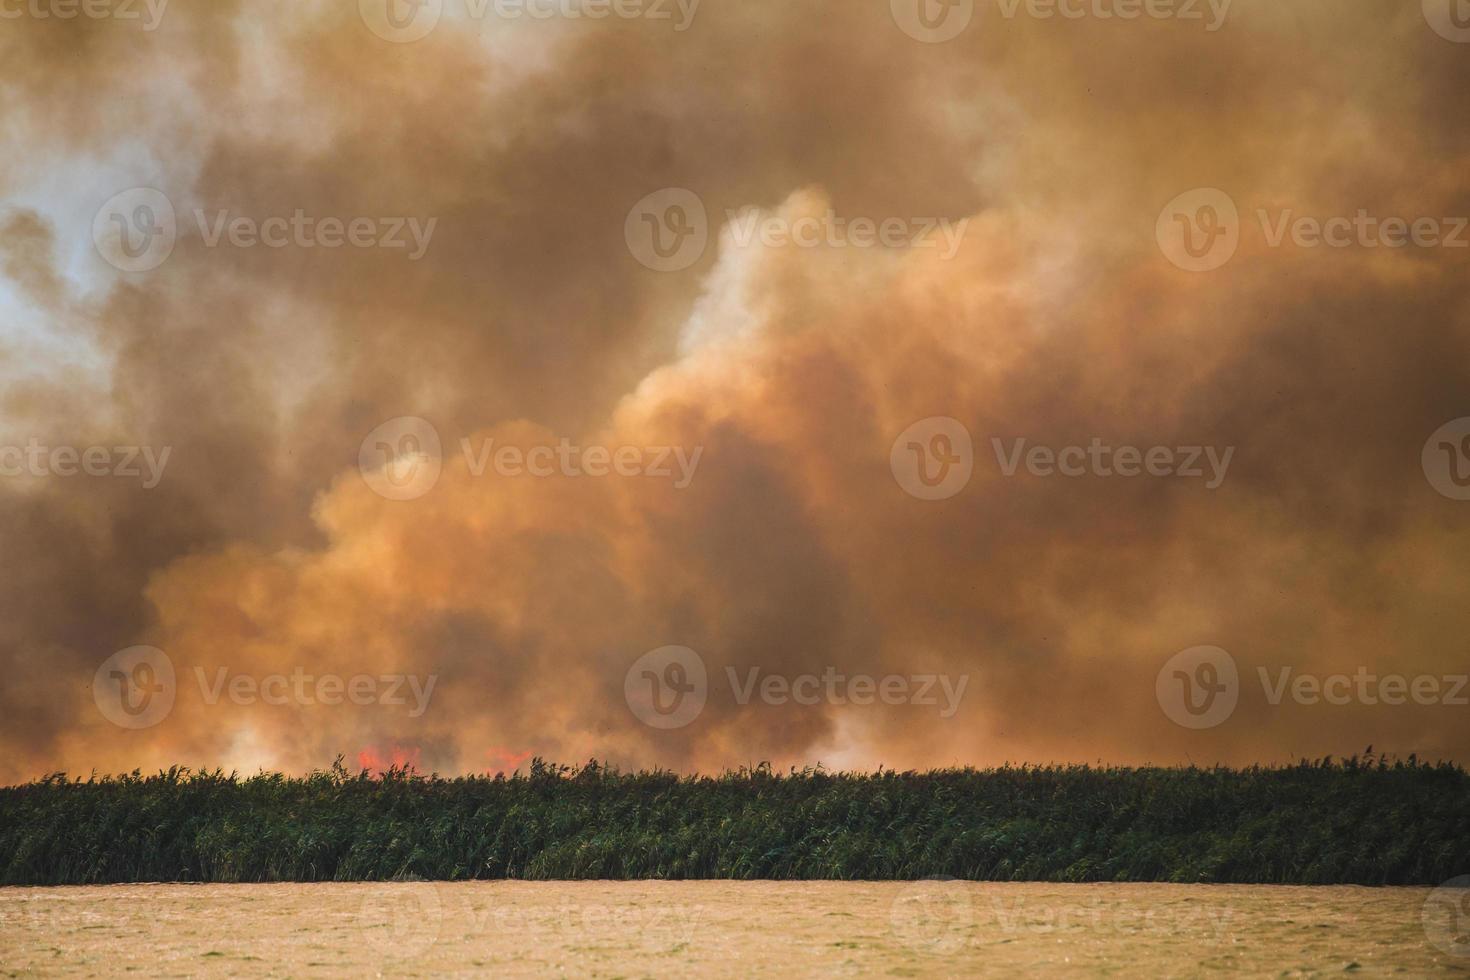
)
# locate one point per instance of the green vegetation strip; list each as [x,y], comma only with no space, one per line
[1361,822]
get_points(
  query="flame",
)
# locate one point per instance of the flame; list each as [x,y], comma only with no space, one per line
[398,757]
[506,760]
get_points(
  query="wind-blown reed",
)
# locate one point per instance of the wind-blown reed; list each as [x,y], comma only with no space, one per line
[1363,822]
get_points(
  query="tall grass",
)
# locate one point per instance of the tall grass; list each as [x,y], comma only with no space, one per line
[1364,822]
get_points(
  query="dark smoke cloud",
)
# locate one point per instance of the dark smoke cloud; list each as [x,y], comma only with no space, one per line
[794,548]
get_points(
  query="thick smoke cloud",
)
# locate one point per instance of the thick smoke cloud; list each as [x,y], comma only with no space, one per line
[793,548]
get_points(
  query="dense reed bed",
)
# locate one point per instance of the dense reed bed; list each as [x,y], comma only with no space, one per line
[1352,821]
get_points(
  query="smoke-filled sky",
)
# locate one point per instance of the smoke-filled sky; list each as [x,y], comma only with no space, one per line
[939,376]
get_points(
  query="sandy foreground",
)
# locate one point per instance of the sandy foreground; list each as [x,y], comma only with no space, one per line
[718,928]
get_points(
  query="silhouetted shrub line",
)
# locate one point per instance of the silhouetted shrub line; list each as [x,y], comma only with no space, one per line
[1324,822]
